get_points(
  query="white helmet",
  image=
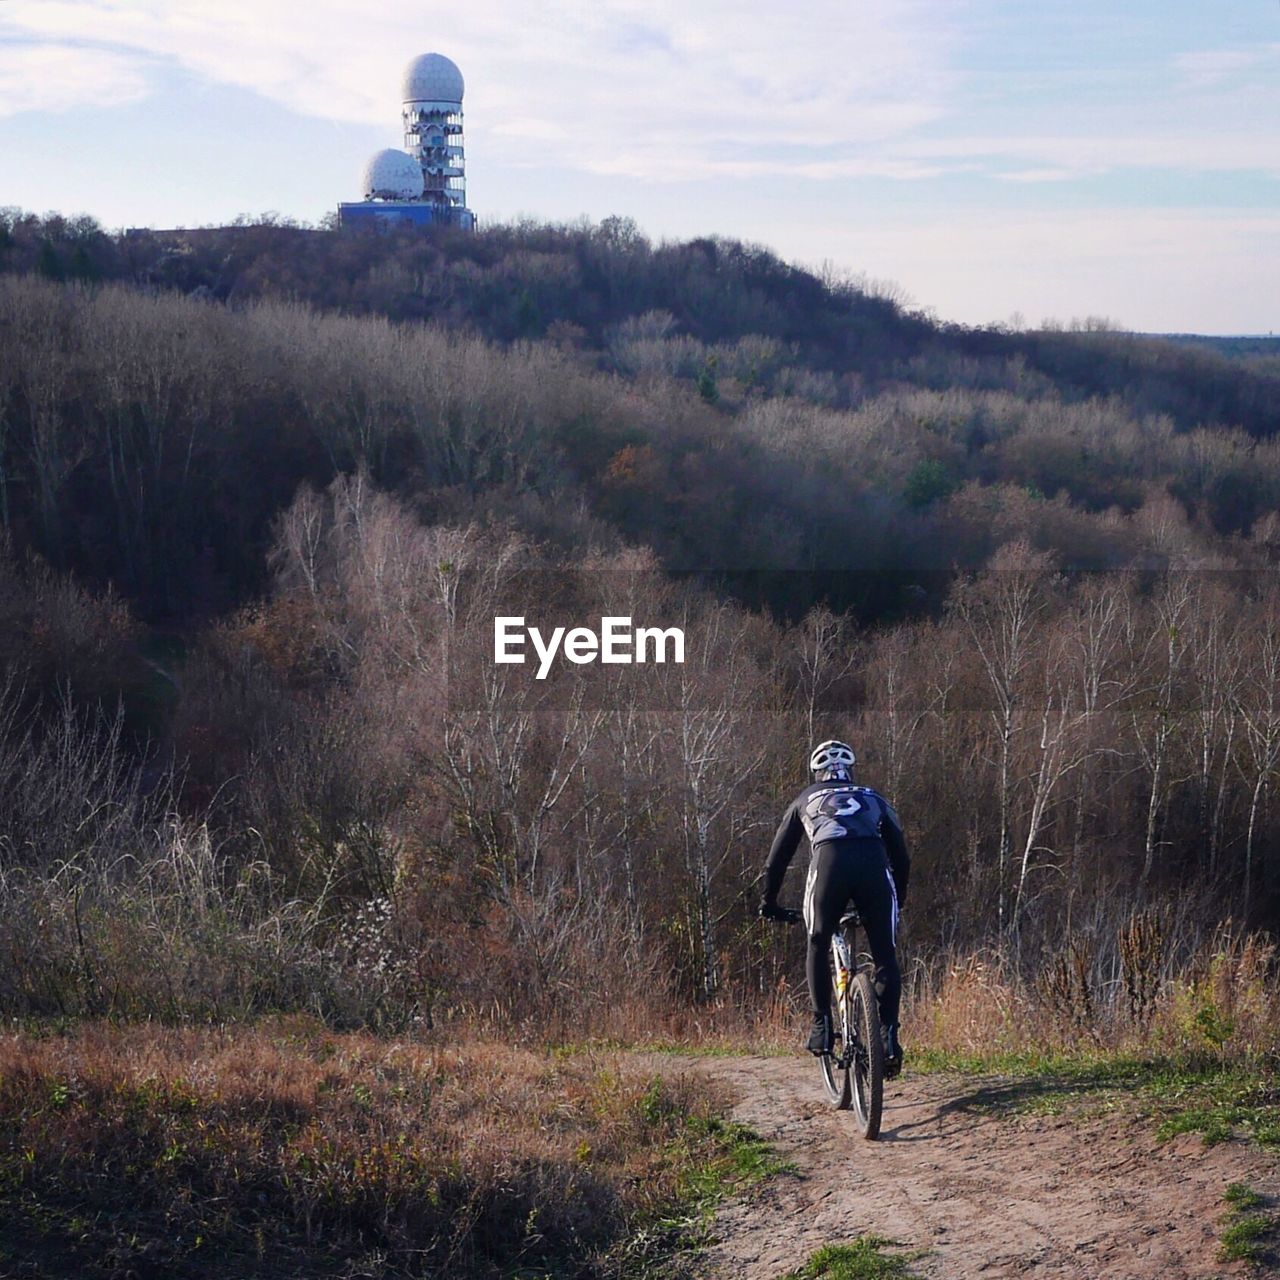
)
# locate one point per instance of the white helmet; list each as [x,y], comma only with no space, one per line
[832,756]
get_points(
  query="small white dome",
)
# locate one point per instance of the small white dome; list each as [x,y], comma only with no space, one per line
[432,78]
[392,175]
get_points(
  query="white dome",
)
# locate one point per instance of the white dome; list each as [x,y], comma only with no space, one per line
[432,78]
[392,175]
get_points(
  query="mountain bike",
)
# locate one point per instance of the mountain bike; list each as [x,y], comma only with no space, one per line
[853,1073]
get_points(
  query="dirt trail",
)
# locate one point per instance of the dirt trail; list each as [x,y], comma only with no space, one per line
[988,1195]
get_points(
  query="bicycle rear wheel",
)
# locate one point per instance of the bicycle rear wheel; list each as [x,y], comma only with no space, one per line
[866,1067]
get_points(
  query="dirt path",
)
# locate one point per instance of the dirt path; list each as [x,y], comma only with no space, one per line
[988,1195]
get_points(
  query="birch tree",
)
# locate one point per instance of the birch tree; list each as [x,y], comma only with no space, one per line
[1259,704]
[714,736]
[1000,611]
[1216,658]
[1157,707]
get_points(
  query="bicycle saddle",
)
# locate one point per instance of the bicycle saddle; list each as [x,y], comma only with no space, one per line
[850,919]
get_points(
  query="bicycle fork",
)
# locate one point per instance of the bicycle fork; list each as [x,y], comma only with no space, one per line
[844,976]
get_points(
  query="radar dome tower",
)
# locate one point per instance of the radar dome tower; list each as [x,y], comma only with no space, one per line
[432,113]
[425,184]
[392,175]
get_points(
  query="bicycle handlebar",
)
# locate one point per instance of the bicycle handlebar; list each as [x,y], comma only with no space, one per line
[779,915]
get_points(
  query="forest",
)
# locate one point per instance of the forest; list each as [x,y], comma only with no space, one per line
[264,488]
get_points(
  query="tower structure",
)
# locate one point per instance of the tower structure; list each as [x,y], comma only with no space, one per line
[425,184]
[432,112]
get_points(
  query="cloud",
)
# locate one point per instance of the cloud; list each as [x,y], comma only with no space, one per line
[1218,114]
[1252,145]
[1209,68]
[532,129]
[658,90]
[1039,175]
[40,77]
[668,91]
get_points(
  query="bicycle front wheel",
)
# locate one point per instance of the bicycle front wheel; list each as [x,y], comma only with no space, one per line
[836,1078]
[866,1070]
[835,1066]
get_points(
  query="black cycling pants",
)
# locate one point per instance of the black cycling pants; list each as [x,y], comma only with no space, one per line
[842,871]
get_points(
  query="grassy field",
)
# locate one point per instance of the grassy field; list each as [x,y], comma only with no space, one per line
[1183,1093]
[286,1150]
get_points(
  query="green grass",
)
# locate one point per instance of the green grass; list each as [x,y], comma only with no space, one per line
[1242,1197]
[1245,1230]
[717,1158]
[1242,1238]
[741,1160]
[1200,1095]
[864,1259]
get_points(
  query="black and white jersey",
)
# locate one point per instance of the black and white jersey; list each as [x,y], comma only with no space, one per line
[836,810]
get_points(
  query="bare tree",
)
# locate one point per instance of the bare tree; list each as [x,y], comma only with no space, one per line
[1259,704]
[1000,611]
[716,743]
[41,332]
[825,654]
[1096,653]
[1157,707]
[1217,659]
[1063,746]
[911,674]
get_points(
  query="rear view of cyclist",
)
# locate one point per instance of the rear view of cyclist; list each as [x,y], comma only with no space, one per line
[857,854]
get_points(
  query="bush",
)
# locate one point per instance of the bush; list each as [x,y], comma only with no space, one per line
[927,482]
[291,1150]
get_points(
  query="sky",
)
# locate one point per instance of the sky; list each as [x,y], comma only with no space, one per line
[998,161]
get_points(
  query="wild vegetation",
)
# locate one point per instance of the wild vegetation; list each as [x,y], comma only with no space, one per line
[374,821]
[255,549]
[667,393]
[264,489]
[288,1150]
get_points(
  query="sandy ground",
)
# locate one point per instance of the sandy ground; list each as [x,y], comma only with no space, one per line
[986,1193]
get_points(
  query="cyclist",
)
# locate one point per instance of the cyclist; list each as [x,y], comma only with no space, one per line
[857,852]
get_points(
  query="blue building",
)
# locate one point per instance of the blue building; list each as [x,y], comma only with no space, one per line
[412,213]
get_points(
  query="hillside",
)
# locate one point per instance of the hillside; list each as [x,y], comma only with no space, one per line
[264,489]
[657,394]
[289,863]
[576,284]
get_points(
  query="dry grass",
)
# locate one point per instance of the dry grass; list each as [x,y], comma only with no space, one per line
[737,1022]
[1092,994]
[289,1150]
[1221,1001]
